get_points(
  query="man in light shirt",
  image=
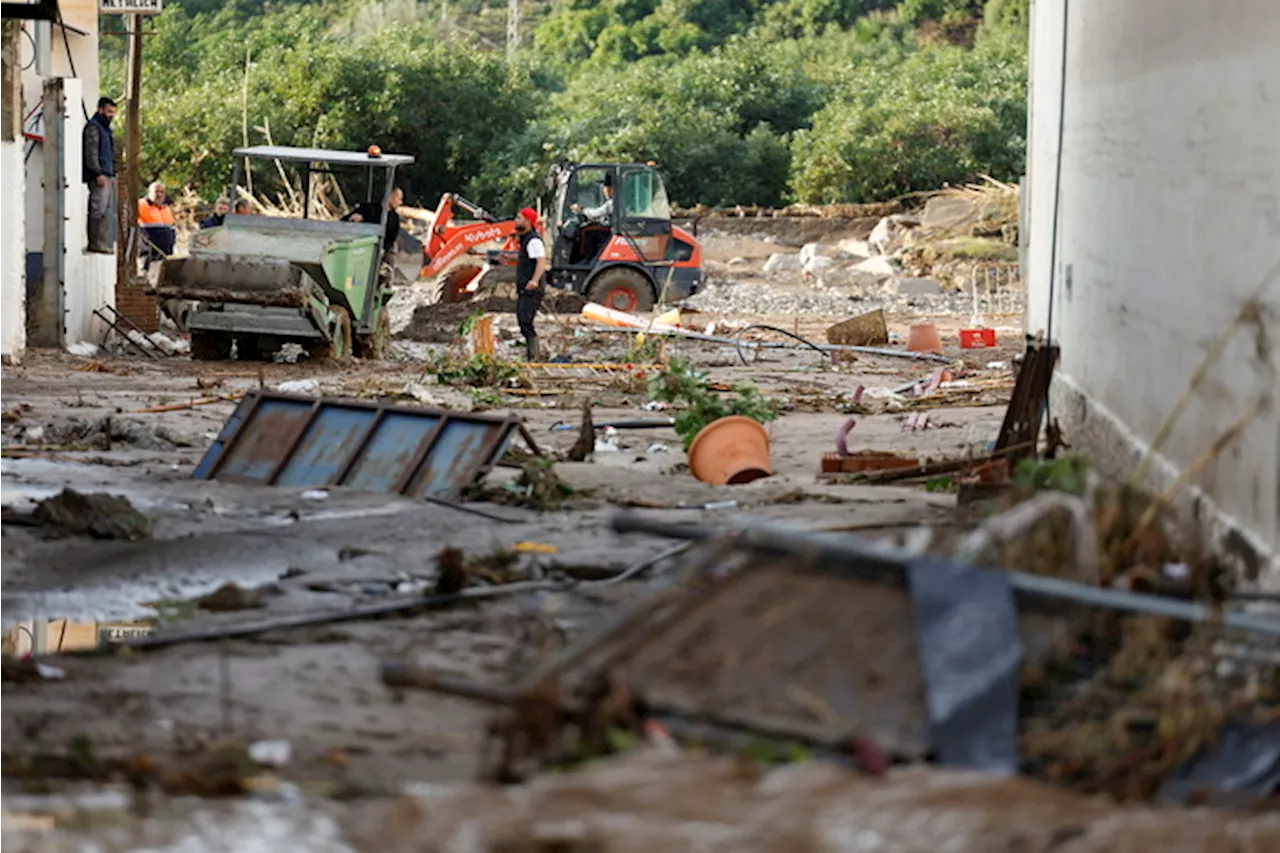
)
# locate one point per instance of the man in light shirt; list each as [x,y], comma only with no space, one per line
[531,267]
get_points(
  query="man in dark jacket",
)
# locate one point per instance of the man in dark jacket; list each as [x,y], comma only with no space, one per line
[371,211]
[531,266]
[100,174]
[220,209]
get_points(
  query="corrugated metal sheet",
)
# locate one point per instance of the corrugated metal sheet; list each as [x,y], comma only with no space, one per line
[290,440]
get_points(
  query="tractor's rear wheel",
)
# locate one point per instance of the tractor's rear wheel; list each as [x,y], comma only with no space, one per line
[622,289]
[257,347]
[338,347]
[210,346]
[376,344]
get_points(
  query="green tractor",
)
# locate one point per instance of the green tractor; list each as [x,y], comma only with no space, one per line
[263,281]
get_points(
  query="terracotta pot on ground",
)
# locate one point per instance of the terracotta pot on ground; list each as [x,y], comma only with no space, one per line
[923,337]
[730,451]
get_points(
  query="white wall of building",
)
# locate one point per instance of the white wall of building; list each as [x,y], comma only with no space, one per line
[1169,219]
[13,300]
[90,278]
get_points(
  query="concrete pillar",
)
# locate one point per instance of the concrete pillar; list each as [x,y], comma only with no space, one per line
[13,248]
[45,306]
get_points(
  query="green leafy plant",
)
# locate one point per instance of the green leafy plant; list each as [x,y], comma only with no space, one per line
[939,484]
[681,384]
[648,352]
[479,371]
[483,397]
[470,323]
[1065,474]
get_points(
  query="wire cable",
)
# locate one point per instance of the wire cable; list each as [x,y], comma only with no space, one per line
[66,42]
[1057,193]
[737,341]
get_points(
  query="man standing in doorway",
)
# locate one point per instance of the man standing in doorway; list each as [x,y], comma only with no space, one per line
[100,174]
[531,266]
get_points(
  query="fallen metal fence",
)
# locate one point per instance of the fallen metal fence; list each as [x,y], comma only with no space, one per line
[289,440]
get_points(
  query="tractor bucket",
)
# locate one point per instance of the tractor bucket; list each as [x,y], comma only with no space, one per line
[222,278]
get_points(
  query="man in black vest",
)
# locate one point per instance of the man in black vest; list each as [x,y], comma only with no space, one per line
[99,157]
[531,266]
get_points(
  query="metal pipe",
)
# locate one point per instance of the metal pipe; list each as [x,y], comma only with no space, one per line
[716,339]
[347,614]
[854,554]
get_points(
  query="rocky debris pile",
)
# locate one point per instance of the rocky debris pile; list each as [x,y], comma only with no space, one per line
[98,434]
[729,296]
[949,244]
[100,516]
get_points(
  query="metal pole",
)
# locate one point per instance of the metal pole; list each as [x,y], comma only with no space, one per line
[868,558]
[133,145]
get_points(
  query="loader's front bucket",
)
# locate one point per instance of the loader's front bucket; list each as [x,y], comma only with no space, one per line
[220,278]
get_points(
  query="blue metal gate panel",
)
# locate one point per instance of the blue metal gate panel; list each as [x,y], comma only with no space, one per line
[287,440]
[390,452]
[264,439]
[456,444]
[325,447]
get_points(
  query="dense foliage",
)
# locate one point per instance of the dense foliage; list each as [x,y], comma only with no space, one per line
[740,101]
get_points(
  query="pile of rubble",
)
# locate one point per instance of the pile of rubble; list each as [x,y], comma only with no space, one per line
[951,244]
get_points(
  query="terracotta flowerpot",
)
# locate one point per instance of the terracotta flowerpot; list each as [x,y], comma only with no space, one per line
[923,337]
[730,451]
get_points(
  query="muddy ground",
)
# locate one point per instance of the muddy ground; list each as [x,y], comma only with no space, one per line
[372,768]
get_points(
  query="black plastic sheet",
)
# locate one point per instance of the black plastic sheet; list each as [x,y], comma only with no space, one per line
[970,652]
[1243,766]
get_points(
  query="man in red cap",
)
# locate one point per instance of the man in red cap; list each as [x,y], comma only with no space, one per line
[531,266]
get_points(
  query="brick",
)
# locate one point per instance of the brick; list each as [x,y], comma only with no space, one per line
[142,309]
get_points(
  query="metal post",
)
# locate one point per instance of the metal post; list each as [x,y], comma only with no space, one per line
[46,322]
[133,143]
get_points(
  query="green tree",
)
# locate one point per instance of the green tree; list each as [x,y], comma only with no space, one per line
[944,114]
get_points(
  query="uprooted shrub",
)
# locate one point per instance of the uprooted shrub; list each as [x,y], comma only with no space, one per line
[682,385]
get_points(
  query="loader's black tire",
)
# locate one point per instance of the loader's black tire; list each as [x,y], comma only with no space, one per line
[376,345]
[622,289]
[210,346]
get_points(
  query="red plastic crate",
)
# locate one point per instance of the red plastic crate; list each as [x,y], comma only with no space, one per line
[977,338]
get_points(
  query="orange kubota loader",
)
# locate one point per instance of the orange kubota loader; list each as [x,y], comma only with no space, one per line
[610,234]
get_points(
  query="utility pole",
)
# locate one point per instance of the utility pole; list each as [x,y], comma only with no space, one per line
[126,255]
[513,27]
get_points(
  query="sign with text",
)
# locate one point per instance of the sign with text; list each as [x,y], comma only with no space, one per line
[130,7]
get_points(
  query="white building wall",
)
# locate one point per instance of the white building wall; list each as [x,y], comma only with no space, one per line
[1169,219]
[13,300]
[90,278]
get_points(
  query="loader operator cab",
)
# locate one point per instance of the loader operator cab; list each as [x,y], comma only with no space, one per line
[595,203]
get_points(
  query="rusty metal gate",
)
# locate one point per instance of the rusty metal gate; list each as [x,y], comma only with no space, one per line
[276,439]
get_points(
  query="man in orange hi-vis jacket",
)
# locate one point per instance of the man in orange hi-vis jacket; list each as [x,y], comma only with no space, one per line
[158,226]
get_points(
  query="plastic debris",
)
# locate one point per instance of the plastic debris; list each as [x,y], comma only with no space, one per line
[534,548]
[298,386]
[271,753]
[84,349]
[608,441]
[50,673]
[315,495]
